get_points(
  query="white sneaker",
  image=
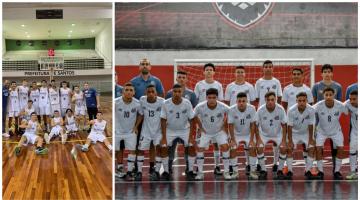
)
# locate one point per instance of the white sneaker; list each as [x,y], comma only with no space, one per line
[199,176]
[63,138]
[253,176]
[47,138]
[7,135]
[235,175]
[227,176]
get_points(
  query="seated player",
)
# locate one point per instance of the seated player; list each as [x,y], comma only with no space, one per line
[271,123]
[150,111]
[242,126]
[80,108]
[211,119]
[177,123]
[32,134]
[352,106]
[71,126]
[328,112]
[25,114]
[13,109]
[126,129]
[98,133]
[57,124]
[301,120]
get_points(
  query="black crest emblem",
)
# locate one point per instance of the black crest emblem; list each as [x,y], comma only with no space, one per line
[277,117]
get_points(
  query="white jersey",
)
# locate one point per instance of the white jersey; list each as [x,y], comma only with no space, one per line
[57,121]
[65,97]
[28,112]
[70,120]
[151,112]
[33,127]
[354,117]
[79,99]
[14,105]
[263,86]
[328,118]
[202,86]
[269,123]
[44,96]
[242,120]
[290,92]
[125,115]
[34,96]
[300,121]
[98,127]
[54,97]
[212,120]
[177,116]
[233,89]
[23,95]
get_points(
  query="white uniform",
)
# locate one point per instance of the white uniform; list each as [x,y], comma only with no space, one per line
[202,86]
[23,96]
[151,127]
[233,89]
[269,123]
[97,131]
[71,125]
[44,103]
[54,100]
[80,108]
[34,96]
[328,124]
[241,122]
[290,92]
[354,126]
[212,122]
[30,133]
[177,120]
[65,100]
[28,112]
[300,123]
[14,106]
[263,86]
[57,128]
[125,118]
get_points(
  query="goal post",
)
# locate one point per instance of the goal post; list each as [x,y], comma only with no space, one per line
[225,69]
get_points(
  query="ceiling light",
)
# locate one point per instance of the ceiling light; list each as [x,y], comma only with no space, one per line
[22,25]
[28,36]
[69,36]
[93,31]
[73,24]
[26,32]
[70,31]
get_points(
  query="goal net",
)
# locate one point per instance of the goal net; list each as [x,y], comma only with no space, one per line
[225,70]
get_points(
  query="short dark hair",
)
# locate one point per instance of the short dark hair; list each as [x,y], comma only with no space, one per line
[241,95]
[13,82]
[268,94]
[150,86]
[354,92]
[56,111]
[30,101]
[329,89]
[209,65]
[67,110]
[327,66]
[33,113]
[211,91]
[267,62]
[44,81]
[128,84]
[301,94]
[240,67]
[34,82]
[176,85]
[298,69]
[182,72]
[99,112]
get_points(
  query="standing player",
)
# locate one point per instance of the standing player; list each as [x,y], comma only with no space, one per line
[175,116]
[57,124]
[328,112]
[54,98]
[242,127]
[5,98]
[126,128]
[34,96]
[80,108]
[271,123]
[301,120]
[13,109]
[23,94]
[211,119]
[92,99]
[65,97]
[118,88]
[352,106]
[349,89]
[44,104]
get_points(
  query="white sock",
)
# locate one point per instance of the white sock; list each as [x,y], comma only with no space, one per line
[200,161]
[289,161]
[252,161]
[276,154]
[261,158]
[165,162]
[234,163]
[109,147]
[353,158]
[158,163]
[309,163]
[216,157]
[320,165]
[51,135]
[247,155]
[282,160]
[130,162]
[191,160]
[140,162]
[226,157]
[338,164]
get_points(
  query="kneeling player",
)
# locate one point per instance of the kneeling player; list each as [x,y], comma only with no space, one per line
[71,126]
[352,107]
[211,120]
[301,120]
[271,123]
[32,136]
[242,126]
[328,112]
[56,128]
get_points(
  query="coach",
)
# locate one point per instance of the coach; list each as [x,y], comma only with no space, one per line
[92,99]
[5,96]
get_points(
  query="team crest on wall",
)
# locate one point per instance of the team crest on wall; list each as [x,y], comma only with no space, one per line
[243,14]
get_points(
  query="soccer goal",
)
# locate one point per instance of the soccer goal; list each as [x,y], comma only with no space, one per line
[225,69]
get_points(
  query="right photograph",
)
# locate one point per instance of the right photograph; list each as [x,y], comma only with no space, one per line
[241,100]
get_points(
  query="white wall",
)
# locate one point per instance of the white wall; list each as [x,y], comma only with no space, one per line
[104,44]
[3,46]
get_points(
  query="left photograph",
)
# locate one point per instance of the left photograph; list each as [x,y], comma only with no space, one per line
[57,101]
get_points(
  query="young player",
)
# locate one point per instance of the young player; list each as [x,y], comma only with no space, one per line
[242,126]
[13,109]
[54,98]
[301,120]
[26,112]
[80,107]
[44,104]
[126,129]
[71,126]
[200,91]
[57,124]
[211,119]
[32,135]
[352,106]
[23,94]
[328,112]
[150,111]
[65,97]
[239,85]
[175,116]
[34,96]
[271,123]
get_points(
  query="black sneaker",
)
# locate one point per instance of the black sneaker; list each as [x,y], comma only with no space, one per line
[338,176]
[217,171]
[165,176]
[129,176]
[138,176]
[263,175]
[190,176]
[279,175]
[258,167]
[231,170]
[275,168]
[320,175]
[289,175]
[154,176]
[247,170]
[308,175]
[151,170]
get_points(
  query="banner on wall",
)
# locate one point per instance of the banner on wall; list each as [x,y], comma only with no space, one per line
[47,73]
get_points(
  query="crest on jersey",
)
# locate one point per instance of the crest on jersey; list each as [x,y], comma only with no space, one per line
[307,117]
[206,115]
[184,111]
[144,108]
[264,118]
[243,14]
[133,110]
[296,118]
[236,117]
[322,113]
[120,110]
[292,93]
[248,116]
[246,91]
[219,115]
[171,111]
[337,113]
[158,109]
[274,87]
[277,117]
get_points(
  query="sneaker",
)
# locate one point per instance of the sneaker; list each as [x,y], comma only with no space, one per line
[47,138]
[263,175]
[154,176]
[17,151]
[41,151]
[289,175]
[129,176]
[258,167]
[120,172]
[235,175]
[217,171]
[338,176]
[275,168]
[279,175]
[231,170]
[84,149]
[190,175]
[320,175]
[165,176]
[227,176]
[63,138]
[199,176]
[351,176]
[247,170]
[138,176]
[7,135]
[308,175]
[253,176]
